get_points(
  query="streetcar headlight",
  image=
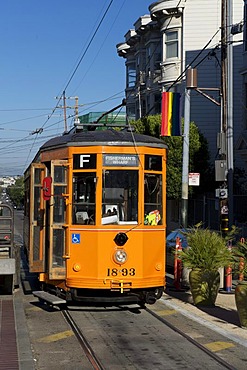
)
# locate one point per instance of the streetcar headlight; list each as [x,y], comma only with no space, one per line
[120,256]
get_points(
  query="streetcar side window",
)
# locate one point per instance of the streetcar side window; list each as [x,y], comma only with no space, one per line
[84,186]
[119,197]
[59,188]
[153,199]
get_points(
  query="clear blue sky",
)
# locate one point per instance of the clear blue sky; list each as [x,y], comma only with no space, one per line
[41,45]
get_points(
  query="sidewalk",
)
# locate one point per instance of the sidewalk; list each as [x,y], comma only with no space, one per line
[223,317]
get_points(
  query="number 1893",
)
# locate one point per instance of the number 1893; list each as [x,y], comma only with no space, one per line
[121,272]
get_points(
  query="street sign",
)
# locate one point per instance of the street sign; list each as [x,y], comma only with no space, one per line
[221,193]
[194,179]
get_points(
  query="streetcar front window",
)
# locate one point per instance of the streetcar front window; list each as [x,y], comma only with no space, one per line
[119,197]
[84,186]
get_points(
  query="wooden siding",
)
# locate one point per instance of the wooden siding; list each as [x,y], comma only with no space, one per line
[202,19]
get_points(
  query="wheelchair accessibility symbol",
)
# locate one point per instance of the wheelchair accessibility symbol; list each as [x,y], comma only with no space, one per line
[76,238]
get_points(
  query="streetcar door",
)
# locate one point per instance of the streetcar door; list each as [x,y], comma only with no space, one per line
[37,219]
[57,217]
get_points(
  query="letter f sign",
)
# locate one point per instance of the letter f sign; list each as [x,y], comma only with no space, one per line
[84,158]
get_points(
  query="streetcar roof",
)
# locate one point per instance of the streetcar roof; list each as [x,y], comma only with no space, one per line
[103,137]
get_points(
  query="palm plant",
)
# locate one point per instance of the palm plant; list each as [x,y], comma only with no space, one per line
[240,259]
[207,250]
[206,254]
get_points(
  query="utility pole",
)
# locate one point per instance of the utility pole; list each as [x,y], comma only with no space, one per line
[76,107]
[223,67]
[224,165]
[191,83]
[226,134]
[185,168]
[221,171]
[65,106]
[229,133]
[64,111]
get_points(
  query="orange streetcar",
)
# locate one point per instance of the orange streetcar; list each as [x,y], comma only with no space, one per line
[94,217]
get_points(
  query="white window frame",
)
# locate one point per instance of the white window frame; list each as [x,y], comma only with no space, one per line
[131,75]
[171,43]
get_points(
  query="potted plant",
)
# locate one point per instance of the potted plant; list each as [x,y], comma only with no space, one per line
[240,258]
[205,255]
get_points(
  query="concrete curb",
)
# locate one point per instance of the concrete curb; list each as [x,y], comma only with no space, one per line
[26,361]
[192,314]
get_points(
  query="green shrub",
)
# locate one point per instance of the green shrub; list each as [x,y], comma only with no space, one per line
[240,255]
[206,250]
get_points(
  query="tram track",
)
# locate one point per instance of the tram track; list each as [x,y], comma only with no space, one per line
[191,340]
[90,354]
[89,323]
[129,333]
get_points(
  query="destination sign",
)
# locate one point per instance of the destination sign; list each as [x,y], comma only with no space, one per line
[127,160]
[85,161]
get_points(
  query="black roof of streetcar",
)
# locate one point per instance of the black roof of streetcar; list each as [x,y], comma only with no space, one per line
[107,137]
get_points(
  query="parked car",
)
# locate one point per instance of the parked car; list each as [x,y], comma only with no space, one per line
[171,244]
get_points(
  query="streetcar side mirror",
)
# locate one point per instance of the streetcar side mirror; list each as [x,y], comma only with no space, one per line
[47,188]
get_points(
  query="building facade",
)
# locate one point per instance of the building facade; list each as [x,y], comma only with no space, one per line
[241,146]
[163,45]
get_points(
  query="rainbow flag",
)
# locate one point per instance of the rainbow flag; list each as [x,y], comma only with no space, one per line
[170,114]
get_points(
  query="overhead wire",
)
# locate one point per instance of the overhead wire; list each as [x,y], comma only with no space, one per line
[196,57]
[70,79]
[48,128]
[179,77]
[150,58]
[23,109]
[22,119]
[133,89]
[101,45]
[90,42]
[86,42]
[81,58]
[182,74]
[16,141]
[72,75]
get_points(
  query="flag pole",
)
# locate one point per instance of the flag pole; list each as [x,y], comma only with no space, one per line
[185,168]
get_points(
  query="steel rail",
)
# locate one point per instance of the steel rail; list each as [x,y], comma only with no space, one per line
[191,340]
[83,341]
